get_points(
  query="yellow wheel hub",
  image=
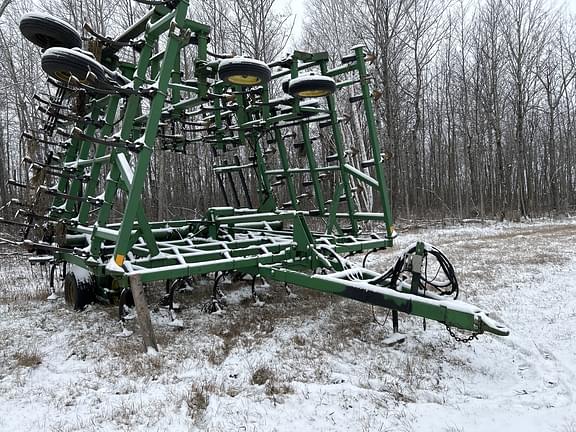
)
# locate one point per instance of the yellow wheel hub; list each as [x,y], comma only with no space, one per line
[313,93]
[244,80]
[65,77]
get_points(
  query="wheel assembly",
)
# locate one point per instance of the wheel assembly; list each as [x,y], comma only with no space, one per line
[78,292]
[47,31]
[311,86]
[62,63]
[244,72]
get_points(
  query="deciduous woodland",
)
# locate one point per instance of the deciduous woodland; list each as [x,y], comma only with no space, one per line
[475,101]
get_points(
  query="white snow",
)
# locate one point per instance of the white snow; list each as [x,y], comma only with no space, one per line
[307,77]
[241,61]
[82,275]
[113,267]
[315,363]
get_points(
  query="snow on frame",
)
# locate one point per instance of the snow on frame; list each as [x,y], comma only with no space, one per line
[314,362]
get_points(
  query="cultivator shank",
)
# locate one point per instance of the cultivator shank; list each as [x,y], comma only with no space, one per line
[295,196]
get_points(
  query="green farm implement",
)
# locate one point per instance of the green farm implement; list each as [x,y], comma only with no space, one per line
[288,212]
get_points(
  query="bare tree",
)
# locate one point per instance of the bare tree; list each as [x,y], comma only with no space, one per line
[556,71]
[526,29]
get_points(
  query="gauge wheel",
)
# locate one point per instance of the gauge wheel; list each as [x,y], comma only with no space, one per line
[47,31]
[245,72]
[78,293]
[62,63]
[311,86]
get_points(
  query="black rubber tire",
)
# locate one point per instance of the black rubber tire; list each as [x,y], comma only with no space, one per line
[126,299]
[245,72]
[78,294]
[47,31]
[60,63]
[311,86]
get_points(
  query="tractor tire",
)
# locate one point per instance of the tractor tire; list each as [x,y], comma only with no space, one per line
[311,86]
[61,63]
[78,294]
[245,72]
[47,31]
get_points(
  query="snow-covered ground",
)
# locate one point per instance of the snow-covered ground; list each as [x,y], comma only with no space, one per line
[308,361]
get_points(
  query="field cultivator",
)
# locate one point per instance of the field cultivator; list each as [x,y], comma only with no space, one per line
[288,212]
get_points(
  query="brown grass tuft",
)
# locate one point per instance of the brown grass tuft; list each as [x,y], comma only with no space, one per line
[198,398]
[262,375]
[30,358]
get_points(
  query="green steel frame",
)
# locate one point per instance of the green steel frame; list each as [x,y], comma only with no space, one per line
[292,230]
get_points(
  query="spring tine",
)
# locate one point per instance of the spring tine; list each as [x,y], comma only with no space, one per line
[54,192]
[222,189]
[113,142]
[15,183]
[243,182]
[12,222]
[50,103]
[233,186]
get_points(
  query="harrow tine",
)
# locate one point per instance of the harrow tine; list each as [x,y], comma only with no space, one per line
[13,222]
[50,103]
[61,117]
[243,182]
[222,189]
[114,142]
[56,193]
[233,186]
[13,182]
[28,135]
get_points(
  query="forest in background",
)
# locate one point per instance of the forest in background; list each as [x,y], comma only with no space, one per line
[475,101]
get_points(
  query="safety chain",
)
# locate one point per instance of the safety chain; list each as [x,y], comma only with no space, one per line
[461,339]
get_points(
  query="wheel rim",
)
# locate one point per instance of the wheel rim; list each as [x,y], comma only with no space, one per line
[313,93]
[244,80]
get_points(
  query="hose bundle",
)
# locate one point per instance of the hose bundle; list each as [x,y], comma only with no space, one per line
[443,282]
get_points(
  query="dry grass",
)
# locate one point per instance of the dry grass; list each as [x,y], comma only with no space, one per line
[143,366]
[274,387]
[19,281]
[454,429]
[262,375]
[569,426]
[198,398]
[299,340]
[28,358]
